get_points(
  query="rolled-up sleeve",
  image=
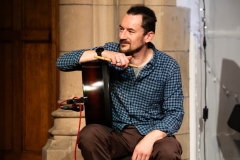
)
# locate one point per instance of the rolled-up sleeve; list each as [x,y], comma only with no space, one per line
[70,61]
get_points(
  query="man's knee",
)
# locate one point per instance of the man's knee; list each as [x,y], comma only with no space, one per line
[167,154]
[169,148]
[88,132]
[91,134]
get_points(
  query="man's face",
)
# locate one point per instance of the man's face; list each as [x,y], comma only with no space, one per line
[131,36]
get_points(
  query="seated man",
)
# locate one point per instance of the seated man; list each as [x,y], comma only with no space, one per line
[147,101]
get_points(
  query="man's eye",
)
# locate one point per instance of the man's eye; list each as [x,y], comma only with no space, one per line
[131,31]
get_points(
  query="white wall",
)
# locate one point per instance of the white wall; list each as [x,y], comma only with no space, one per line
[223,57]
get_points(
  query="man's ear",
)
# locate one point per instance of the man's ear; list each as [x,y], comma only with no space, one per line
[149,36]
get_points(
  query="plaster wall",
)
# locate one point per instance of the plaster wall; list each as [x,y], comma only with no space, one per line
[223,76]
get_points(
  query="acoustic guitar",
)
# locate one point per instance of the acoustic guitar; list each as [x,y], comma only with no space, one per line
[95,79]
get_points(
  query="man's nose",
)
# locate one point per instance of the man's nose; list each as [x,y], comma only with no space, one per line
[122,34]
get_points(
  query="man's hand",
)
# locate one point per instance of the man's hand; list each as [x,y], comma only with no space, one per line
[118,59]
[144,148]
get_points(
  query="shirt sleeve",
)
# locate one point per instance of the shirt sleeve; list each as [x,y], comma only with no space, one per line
[173,104]
[70,61]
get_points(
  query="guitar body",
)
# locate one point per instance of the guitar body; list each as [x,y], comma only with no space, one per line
[95,77]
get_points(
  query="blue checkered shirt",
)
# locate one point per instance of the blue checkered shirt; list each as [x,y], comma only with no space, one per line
[151,101]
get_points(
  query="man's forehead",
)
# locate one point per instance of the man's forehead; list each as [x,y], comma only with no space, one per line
[130,20]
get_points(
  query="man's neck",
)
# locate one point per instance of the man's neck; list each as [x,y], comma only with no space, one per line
[143,57]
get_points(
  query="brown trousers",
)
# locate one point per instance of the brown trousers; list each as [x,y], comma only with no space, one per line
[98,142]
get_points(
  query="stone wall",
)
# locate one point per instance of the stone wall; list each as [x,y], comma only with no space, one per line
[88,23]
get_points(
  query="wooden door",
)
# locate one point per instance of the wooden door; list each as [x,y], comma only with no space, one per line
[29,78]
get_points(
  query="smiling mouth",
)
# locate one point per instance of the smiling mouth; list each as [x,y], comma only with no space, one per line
[124,43]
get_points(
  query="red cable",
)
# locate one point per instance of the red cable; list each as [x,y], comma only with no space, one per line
[79,126]
[59,105]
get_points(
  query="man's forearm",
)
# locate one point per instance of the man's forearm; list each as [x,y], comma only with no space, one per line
[88,56]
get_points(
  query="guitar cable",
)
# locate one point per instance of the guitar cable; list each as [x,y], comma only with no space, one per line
[75,105]
[79,127]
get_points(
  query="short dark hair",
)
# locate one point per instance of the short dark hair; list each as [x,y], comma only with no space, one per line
[148,17]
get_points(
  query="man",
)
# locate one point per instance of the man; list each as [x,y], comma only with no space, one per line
[147,101]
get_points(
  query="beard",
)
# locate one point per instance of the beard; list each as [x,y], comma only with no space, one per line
[129,51]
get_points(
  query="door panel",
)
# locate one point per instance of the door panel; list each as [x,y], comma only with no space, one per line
[37,93]
[37,14]
[29,81]
[6,96]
